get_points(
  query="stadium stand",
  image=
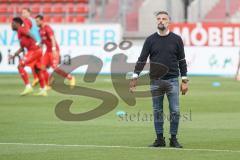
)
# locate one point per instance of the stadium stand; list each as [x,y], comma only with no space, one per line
[198,9]
[147,23]
[134,16]
[214,11]
[113,13]
[217,12]
[60,11]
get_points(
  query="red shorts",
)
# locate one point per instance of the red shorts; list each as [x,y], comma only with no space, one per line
[49,60]
[32,58]
[31,65]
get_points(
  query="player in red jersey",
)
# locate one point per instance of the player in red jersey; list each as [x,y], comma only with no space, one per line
[26,17]
[51,57]
[33,55]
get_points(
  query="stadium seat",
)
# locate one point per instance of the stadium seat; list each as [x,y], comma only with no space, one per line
[57,19]
[3,19]
[9,19]
[13,1]
[10,9]
[83,1]
[71,1]
[80,19]
[19,7]
[38,1]
[54,12]
[35,8]
[70,7]
[70,19]
[58,8]
[77,1]
[3,8]
[81,9]
[5,1]
[47,18]
[47,8]
[26,1]
[76,19]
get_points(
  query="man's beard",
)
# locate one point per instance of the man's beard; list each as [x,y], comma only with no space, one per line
[14,29]
[161,27]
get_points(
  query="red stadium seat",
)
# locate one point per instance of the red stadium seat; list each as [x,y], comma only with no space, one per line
[26,1]
[47,8]
[58,8]
[55,1]
[37,1]
[49,1]
[3,19]
[83,1]
[77,1]
[11,9]
[70,7]
[57,19]
[3,8]
[60,1]
[70,1]
[80,19]
[35,8]
[70,19]
[14,1]
[77,19]
[47,18]
[18,7]
[54,12]
[9,19]
[5,1]
[81,9]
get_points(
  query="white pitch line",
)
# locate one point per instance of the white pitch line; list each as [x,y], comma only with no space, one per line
[122,147]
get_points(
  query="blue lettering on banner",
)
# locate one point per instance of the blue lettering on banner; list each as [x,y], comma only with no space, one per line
[61,37]
[94,37]
[8,39]
[3,37]
[84,38]
[109,36]
[14,39]
[68,37]
[73,37]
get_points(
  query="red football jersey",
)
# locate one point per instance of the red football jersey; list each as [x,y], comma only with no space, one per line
[27,22]
[25,40]
[46,32]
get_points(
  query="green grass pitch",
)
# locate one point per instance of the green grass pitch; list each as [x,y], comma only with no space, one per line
[29,129]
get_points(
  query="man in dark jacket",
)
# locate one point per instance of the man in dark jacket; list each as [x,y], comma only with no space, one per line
[165,48]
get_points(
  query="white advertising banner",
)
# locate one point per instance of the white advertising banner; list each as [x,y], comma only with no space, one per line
[213,51]
[203,60]
[74,40]
[208,34]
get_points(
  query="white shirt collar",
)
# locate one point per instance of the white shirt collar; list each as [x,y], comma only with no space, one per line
[163,35]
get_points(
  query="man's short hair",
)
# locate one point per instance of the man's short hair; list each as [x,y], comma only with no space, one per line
[27,9]
[39,17]
[18,20]
[161,12]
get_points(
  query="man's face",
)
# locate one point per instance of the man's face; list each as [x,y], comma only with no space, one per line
[39,22]
[14,26]
[162,22]
[25,13]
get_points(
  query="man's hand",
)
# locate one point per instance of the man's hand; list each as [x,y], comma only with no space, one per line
[40,45]
[10,57]
[184,88]
[54,52]
[132,85]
